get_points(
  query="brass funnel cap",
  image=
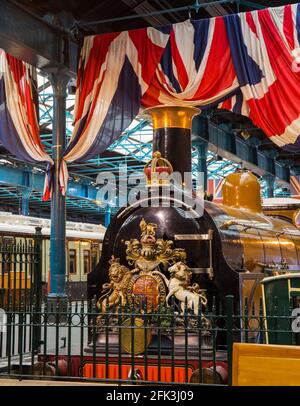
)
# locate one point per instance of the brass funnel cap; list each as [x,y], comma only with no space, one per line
[171,116]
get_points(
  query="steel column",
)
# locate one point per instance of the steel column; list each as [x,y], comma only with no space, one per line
[202,148]
[269,189]
[58,202]
[37,289]
[107,216]
[25,196]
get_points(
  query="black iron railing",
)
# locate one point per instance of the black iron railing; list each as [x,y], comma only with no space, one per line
[20,272]
[140,344]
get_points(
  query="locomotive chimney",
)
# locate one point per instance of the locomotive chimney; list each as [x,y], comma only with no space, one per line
[172,135]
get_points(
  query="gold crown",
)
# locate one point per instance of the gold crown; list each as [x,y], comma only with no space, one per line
[158,170]
[147,228]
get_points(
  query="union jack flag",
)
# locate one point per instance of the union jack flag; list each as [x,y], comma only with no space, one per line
[214,187]
[19,130]
[245,62]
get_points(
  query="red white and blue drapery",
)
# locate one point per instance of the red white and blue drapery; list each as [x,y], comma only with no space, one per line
[19,131]
[246,63]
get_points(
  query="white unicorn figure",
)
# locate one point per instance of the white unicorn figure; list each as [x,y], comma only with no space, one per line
[179,287]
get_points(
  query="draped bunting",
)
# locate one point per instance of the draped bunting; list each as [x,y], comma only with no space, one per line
[19,131]
[243,62]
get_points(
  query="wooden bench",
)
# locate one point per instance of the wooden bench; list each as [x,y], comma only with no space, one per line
[265,365]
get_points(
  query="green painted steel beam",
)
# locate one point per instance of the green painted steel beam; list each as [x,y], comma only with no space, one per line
[24,177]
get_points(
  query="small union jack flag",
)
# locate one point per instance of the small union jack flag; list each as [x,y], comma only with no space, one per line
[214,187]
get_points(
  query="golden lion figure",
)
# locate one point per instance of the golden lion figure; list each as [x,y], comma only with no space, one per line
[114,292]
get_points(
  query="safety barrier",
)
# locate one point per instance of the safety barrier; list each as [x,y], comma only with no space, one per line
[68,340]
[20,272]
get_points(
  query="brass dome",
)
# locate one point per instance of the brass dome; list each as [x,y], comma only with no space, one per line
[241,190]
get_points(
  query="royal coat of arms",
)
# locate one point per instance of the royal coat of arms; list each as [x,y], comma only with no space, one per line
[146,283]
[156,272]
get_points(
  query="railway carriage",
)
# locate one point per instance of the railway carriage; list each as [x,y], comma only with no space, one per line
[17,253]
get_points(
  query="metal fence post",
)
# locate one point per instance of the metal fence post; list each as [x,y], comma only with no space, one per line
[37,289]
[229,328]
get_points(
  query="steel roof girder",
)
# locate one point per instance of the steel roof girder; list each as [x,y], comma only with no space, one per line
[34,40]
[224,143]
[23,177]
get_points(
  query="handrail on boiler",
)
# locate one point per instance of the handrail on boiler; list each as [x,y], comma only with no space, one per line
[248,225]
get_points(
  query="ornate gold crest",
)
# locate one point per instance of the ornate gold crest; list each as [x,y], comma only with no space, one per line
[147,284]
[144,283]
[149,252]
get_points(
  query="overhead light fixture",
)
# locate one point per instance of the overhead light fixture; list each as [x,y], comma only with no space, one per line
[245,134]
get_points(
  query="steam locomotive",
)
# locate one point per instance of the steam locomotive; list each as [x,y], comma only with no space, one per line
[230,247]
[228,250]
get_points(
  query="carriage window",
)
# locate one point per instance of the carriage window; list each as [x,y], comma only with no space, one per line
[72,262]
[94,259]
[87,261]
